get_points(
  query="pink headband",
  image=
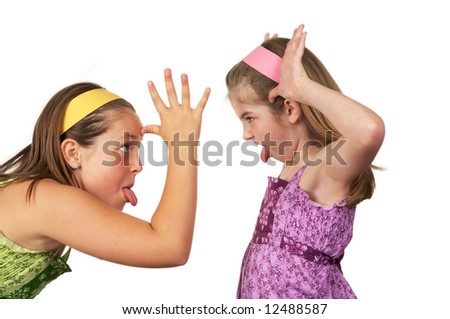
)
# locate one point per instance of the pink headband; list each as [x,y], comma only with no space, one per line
[265,62]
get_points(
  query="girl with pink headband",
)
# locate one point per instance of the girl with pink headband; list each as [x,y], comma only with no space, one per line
[63,190]
[290,105]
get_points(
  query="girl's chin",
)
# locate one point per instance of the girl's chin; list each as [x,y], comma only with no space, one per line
[282,159]
[118,206]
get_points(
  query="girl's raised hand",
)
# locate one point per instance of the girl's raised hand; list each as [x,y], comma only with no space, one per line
[293,75]
[268,37]
[176,118]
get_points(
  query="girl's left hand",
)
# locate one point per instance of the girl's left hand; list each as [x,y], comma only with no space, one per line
[178,120]
[268,37]
[293,74]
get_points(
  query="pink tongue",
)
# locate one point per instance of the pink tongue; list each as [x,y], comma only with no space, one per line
[264,154]
[129,195]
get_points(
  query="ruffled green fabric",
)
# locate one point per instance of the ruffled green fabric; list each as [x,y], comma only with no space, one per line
[24,272]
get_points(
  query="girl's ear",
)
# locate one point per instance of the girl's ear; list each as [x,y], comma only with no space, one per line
[292,110]
[70,150]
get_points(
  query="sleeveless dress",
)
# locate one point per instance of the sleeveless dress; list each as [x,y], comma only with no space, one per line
[25,272]
[297,246]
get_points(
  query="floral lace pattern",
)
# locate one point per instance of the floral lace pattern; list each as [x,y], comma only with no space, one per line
[309,253]
[24,273]
[296,246]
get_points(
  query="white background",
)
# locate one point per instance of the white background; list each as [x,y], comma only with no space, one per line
[390,55]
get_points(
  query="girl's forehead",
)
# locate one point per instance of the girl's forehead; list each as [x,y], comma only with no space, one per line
[243,93]
[243,109]
[127,122]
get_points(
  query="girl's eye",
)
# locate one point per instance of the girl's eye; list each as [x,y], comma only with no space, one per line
[250,119]
[125,148]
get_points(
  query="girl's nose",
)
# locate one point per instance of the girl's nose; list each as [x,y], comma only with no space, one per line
[135,165]
[248,135]
[136,169]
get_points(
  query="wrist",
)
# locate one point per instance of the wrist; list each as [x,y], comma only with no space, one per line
[183,153]
[310,91]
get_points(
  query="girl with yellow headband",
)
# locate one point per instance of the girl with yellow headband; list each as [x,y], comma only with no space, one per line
[62,191]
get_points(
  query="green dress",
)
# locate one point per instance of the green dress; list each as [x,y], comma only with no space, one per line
[24,272]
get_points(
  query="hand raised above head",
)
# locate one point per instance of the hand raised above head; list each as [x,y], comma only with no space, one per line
[293,73]
[268,37]
[178,117]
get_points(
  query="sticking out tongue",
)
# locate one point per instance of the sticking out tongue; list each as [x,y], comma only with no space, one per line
[129,195]
[264,154]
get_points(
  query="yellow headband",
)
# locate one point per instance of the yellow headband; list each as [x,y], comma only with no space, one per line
[83,105]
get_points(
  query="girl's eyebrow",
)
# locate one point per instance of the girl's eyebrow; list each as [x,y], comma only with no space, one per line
[129,136]
[243,115]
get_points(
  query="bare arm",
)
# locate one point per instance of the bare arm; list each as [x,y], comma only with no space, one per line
[362,129]
[175,214]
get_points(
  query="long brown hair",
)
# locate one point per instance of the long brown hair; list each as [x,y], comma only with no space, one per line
[317,125]
[43,158]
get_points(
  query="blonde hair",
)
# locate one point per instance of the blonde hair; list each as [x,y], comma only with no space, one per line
[43,158]
[317,125]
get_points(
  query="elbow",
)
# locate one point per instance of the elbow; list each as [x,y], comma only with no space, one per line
[178,256]
[373,133]
[181,261]
[165,260]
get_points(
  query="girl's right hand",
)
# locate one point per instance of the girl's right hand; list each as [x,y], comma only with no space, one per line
[177,118]
[293,74]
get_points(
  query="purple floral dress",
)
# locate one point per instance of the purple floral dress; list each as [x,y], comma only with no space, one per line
[297,246]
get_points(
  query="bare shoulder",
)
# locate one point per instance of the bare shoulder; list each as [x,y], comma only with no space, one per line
[78,219]
[321,186]
[64,215]
[50,191]
[19,216]
[52,200]
[35,222]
